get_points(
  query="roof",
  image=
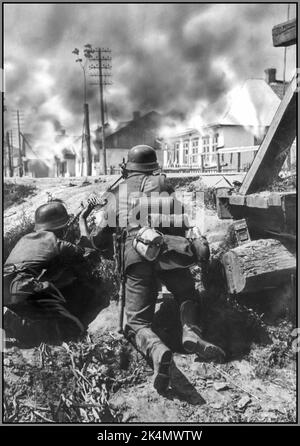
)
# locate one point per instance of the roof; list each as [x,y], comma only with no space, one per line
[251,105]
[187,132]
[278,88]
[153,115]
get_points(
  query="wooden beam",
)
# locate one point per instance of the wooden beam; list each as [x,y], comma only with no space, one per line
[257,265]
[285,34]
[275,146]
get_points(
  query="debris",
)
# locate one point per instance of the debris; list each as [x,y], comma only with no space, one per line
[220,386]
[243,402]
[7,362]
[217,405]
[225,374]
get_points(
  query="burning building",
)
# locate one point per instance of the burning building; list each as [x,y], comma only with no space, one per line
[139,130]
[240,129]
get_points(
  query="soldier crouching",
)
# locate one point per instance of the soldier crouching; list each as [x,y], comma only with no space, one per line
[46,288]
[145,186]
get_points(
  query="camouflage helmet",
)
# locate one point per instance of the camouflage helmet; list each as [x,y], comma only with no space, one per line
[142,158]
[51,216]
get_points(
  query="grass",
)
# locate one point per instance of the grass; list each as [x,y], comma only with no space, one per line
[16,193]
[71,383]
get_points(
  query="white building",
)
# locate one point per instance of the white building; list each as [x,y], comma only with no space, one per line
[231,142]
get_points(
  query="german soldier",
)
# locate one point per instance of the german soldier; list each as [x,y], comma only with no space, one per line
[144,184]
[45,280]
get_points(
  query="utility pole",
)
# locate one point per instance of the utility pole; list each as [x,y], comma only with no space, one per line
[12,149]
[88,140]
[102,110]
[10,167]
[86,136]
[103,59]
[17,118]
[20,146]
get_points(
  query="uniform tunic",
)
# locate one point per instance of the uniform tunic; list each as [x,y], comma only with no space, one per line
[61,293]
[177,252]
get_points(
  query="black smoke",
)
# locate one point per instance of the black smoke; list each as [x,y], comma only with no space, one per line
[166,57]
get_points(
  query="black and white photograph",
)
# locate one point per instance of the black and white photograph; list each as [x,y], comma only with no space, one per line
[149,216]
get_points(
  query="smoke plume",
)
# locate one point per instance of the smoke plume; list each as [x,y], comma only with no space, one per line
[179,59]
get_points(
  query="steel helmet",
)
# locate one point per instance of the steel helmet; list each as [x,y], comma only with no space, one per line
[51,216]
[142,158]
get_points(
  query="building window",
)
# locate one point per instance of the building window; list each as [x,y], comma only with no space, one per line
[176,152]
[215,140]
[185,152]
[195,151]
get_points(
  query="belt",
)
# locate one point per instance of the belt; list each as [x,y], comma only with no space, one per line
[131,232]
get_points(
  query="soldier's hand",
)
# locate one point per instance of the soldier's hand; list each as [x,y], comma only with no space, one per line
[93,200]
[87,210]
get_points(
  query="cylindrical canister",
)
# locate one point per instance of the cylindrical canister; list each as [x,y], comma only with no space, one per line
[148,243]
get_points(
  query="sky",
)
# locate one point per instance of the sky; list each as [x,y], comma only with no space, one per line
[179,59]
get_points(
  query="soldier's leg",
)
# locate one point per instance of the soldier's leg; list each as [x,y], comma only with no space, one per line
[181,284]
[141,294]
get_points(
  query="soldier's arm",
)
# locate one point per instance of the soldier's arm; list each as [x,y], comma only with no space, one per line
[101,238]
[69,251]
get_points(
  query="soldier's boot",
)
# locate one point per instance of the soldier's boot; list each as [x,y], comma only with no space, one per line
[15,326]
[151,346]
[162,359]
[192,339]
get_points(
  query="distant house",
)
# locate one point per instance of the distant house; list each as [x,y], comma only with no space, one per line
[243,125]
[139,130]
[33,164]
[40,160]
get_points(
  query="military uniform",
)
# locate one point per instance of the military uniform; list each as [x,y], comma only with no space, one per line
[141,276]
[47,282]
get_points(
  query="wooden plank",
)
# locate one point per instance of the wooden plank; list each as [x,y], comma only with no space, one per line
[257,201]
[237,200]
[275,146]
[275,199]
[285,34]
[257,265]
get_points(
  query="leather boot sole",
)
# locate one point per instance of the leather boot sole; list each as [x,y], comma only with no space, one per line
[205,350]
[161,379]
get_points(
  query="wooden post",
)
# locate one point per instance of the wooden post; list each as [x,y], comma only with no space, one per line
[218,163]
[278,140]
[238,161]
[257,265]
[202,161]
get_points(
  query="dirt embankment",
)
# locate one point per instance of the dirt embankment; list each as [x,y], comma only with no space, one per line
[101,378]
